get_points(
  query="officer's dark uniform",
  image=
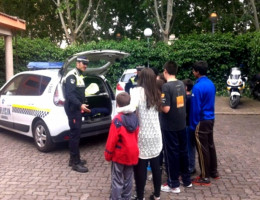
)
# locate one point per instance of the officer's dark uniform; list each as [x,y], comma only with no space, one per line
[75,96]
[132,82]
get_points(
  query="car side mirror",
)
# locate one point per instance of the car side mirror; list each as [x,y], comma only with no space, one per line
[244,78]
[225,76]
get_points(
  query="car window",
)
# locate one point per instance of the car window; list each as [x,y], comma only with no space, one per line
[94,86]
[126,77]
[11,88]
[27,85]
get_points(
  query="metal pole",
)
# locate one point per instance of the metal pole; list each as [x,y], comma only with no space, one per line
[213,27]
[148,51]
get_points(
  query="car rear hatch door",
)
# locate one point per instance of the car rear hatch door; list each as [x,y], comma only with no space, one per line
[99,61]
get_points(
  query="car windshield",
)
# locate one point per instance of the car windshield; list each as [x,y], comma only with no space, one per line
[126,77]
[234,76]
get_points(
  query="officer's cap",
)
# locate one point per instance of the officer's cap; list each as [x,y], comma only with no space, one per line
[83,59]
[139,67]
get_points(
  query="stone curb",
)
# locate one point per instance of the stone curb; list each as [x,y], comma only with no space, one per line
[238,113]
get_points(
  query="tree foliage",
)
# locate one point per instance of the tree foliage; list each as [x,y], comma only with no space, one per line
[75,19]
[41,18]
[221,51]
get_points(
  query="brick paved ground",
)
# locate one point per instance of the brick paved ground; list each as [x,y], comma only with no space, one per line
[27,174]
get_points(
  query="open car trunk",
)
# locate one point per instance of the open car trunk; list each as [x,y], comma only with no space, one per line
[98,96]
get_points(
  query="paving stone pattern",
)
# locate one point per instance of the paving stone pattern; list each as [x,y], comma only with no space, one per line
[27,174]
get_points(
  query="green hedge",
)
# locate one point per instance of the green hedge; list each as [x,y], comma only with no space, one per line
[221,51]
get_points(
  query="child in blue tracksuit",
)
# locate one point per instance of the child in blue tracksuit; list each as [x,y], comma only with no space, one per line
[190,134]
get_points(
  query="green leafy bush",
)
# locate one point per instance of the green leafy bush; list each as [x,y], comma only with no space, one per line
[221,51]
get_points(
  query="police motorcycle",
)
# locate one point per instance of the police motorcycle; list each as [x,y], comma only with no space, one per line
[235,86]
[255,86]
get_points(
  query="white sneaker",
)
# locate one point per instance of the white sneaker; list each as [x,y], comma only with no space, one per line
[150,177]
[189,186]
[176,190]
[166,188]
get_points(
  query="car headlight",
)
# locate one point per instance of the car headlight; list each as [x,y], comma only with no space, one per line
[234,82]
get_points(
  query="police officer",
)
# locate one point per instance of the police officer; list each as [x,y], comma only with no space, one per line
[74,106]
[132,82]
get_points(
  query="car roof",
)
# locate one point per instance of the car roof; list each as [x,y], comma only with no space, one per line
[130,71]
[46,72]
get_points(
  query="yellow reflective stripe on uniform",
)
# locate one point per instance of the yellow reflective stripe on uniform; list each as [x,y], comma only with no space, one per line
[132,80]
[80,81]
[79,78]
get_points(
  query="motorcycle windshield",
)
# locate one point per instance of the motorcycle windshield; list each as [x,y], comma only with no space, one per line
[234,76]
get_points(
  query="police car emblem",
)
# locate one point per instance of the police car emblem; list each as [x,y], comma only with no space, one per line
[72,81]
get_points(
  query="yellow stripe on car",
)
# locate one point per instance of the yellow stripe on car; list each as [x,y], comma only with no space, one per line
[30,110]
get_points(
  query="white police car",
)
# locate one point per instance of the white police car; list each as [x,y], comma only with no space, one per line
[127,74]
[31,103]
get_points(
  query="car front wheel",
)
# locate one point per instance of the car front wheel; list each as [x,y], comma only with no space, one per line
[42,138]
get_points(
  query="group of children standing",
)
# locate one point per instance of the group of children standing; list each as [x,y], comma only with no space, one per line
[150,121]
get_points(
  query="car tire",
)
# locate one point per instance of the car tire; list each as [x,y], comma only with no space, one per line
[42,138]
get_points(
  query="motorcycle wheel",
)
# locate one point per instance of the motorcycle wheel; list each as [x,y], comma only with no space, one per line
[256,95]
[234,101]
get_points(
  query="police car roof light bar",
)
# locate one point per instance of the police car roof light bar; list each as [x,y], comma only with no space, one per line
[44,65]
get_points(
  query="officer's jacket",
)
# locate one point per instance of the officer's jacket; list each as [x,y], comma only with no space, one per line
[74,90]
[132,82]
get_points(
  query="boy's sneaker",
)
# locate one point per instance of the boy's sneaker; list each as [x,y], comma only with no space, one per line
[166,188]
[152,197]
[134,196]
[201,181]
[149,177]
[216,177]
[196,178]
[188,186]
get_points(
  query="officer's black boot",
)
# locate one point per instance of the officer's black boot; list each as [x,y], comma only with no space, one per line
[79,168]
[82,162]
[77,165]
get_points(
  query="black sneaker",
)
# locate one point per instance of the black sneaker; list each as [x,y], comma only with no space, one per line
[201,181]
[152,197]
[79,168]
[215,176]
[82,162]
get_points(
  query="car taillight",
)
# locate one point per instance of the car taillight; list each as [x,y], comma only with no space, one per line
[119,87]
[58,97]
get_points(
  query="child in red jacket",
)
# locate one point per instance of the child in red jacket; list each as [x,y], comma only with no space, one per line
[122,150]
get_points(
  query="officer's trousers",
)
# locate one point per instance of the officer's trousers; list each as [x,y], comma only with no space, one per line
[75,122]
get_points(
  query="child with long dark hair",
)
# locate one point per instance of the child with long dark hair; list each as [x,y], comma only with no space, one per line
[146,100]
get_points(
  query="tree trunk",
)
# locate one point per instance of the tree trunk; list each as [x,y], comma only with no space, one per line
[256,22]
[160,20]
